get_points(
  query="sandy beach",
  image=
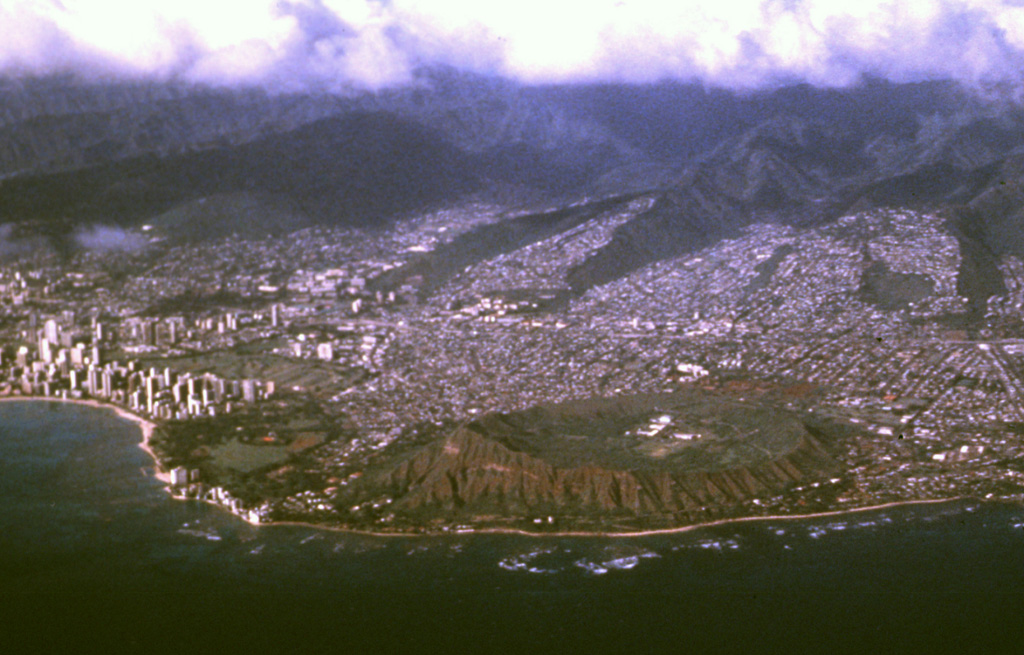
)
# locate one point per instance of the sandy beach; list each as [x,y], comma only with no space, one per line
[145,425]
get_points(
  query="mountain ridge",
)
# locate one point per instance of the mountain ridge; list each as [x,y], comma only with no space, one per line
[716,160]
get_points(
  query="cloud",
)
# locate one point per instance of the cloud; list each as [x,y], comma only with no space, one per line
[373,44]
[7,246]
[104,238]
[12,245]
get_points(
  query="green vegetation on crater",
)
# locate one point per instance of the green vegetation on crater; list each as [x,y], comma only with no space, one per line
[610,432]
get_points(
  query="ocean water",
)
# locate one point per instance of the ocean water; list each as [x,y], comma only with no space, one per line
[93,552]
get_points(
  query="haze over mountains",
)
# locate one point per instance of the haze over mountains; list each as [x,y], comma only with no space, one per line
[263,118]
[269,116]
[206,162]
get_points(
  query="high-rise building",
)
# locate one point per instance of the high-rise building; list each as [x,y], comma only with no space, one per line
[275,318]
[78,355]
[249,391]
[52,332]
[179,476]
[150,392]
[95,386]
[325,351]
[45,353]
[148,333]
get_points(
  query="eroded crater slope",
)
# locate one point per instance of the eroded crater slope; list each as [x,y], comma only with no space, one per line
[655,460]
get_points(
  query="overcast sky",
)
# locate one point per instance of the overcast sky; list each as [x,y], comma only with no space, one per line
[339,44]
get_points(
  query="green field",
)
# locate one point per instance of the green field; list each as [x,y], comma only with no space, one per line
[245,458]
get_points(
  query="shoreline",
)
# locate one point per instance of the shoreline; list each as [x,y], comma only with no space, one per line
[147,427]
[614,535]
